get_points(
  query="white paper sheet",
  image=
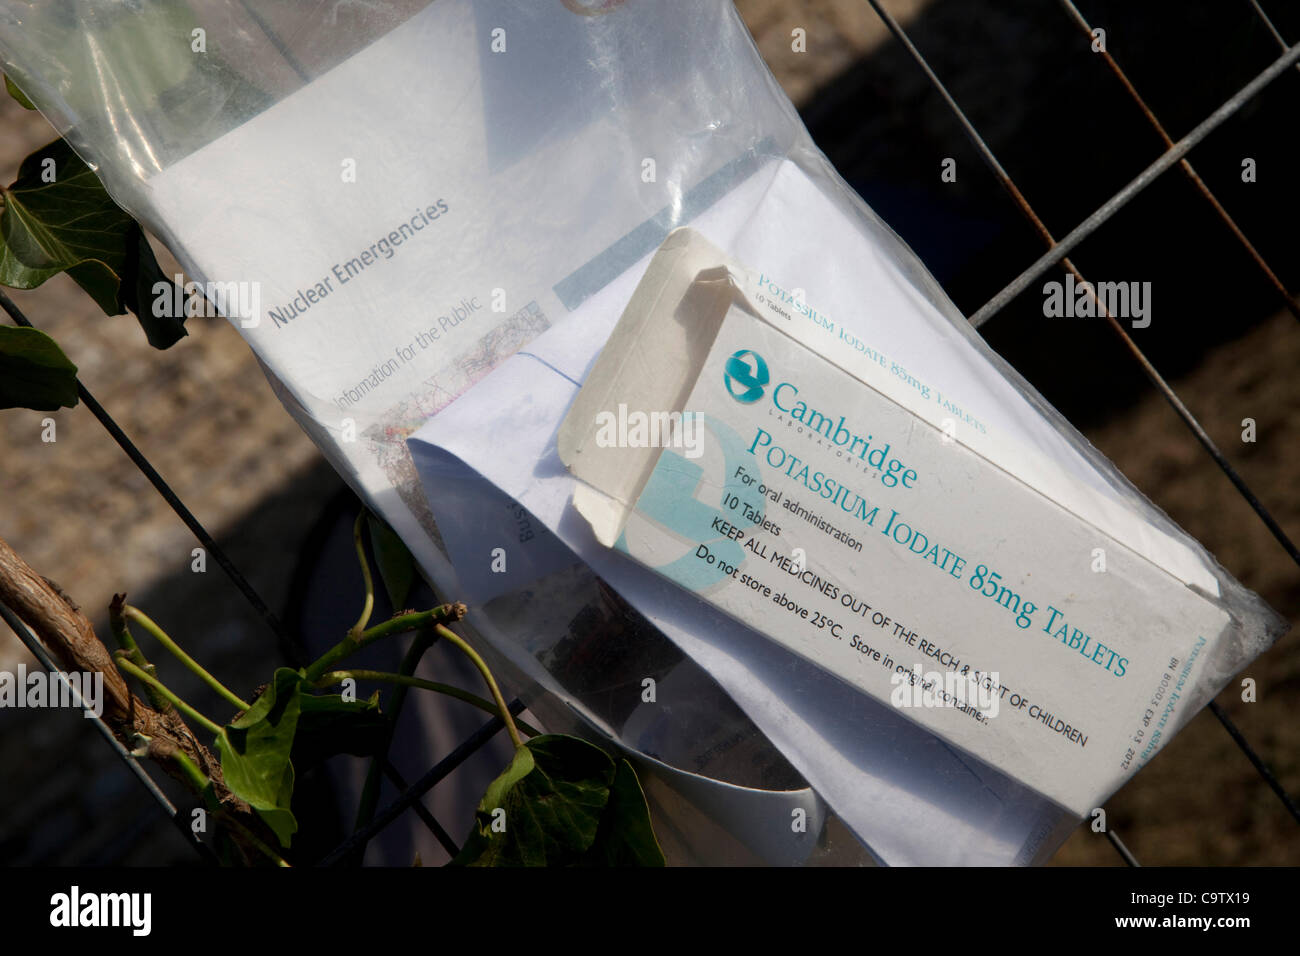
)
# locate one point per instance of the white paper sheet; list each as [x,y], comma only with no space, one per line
[912,798]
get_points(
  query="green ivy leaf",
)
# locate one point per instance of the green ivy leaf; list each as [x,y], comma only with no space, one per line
[72,225]
[396,566]
[329,725]
[255,752]
[18,95]
[626,836]
[553,808]
[141,276]
[34,372]
[498,792]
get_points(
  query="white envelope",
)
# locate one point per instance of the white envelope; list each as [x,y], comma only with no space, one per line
[908,795]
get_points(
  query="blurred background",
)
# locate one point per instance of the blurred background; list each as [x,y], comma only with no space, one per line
[1069,136]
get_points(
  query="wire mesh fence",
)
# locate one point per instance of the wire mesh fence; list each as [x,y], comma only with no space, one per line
[1174,154]
[1058,251]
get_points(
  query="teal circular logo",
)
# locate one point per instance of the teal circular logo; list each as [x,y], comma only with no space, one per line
[745,376]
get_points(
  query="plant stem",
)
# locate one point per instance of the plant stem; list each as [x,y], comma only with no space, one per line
[137,615]
[442,614]
[402,680]
[450,635]
[124,663]
[254,839]
[117,624]
[369,604]
[197,778]
[122,633]
[354,641]
[423,640]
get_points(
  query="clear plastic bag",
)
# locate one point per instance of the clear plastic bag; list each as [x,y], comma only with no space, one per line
[404,195]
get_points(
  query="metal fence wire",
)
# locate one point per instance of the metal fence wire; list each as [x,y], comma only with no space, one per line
[1175,153]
